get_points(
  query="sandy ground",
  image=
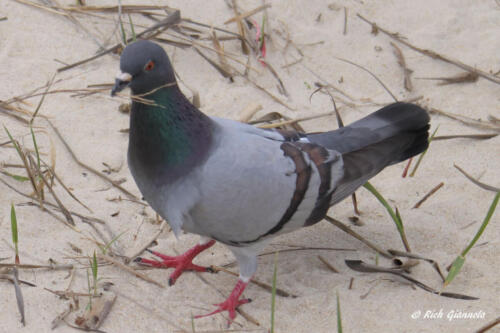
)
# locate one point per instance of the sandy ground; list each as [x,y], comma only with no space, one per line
[32,39]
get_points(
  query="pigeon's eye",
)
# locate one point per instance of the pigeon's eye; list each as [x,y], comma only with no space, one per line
[150,65]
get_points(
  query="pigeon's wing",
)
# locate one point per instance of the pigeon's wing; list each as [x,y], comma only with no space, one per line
[255,184]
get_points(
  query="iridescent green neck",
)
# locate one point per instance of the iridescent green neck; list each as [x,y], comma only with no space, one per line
[170,135]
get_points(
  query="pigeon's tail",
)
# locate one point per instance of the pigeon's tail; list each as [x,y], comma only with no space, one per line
[390,135]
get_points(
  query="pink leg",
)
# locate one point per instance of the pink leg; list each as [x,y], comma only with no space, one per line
[232,302]
[181,263]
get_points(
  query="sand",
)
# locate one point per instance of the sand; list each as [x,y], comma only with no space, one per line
[33,42]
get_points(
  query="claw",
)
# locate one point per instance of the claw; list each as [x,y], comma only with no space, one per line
[231,303]
[181,263]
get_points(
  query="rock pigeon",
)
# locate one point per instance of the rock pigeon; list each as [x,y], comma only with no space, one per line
[240,185]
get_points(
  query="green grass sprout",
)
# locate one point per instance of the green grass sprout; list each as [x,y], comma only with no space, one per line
[105,248]
[122,30]
[423,153]
[396,217]
[460,259]
[14,142]
[13,226]
[132,28]
[15,177]
[94,273]
[339,316]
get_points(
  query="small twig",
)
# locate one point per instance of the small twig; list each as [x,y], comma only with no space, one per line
[489,326]
[67,294]
[327,264]
[128,269]
[148,244]
[11,279]
[265,286]
[247,14]
[466,120]
[64,211]
[406,71]
[431,192]
[89,168]
[293,121]
[360,266]
[354,234]
[460,78]
[433,54]
[276,99]
[466,136]
[241,30]
[171,20]
[60,317]
[477,182]
[373,75]
[419,257]
[223,71]
[31,266]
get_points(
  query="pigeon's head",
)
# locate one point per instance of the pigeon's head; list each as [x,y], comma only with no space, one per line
[144,66]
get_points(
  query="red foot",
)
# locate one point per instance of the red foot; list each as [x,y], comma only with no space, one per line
[231,303]
[181,263]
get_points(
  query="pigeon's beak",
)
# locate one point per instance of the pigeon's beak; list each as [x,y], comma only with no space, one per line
[122,81]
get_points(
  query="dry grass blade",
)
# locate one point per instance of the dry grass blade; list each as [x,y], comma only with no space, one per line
[247,14]
[360,266]
[373,75]
[11,279]
[218,67]
[52,266]
[419,257]
[129,269]
[241,30]
[249,112]
[57,320]
[276,99]
[70,193]
[294,121]
[114,9]
[220,53]
[431,192]
[64,211]
[74,20]
[43,7]
[148,244]
[171,20]
[466,120]
[8,111]
[489,326]
[46,203]
[265,286]
[19,296]
[431,53]
[296,249]
[27,167]
[89,168]
[93,318]
[460,78]
[477,182]
[354,234]
[327,264]
[406,71]
[49,84]
[466,136]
